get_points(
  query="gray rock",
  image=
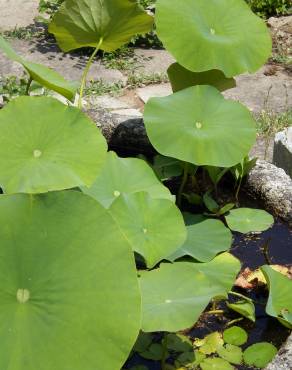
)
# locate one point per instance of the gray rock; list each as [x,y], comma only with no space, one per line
[283,360]
[272,185]
[124,133]
[282,156]
[17,13]
[157,91]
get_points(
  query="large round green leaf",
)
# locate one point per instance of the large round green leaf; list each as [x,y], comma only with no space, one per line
[181,78]
[69,296]
[46,145]
[204,35]
[154,227]
[108,24]
[125,176]
[204,241]
[280,292]
[175,295]
[45,76]
[259,354]
[199,126]
[246,220]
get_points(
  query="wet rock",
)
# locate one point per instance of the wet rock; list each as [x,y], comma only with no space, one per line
[282,156]
[272,185]
[283,360]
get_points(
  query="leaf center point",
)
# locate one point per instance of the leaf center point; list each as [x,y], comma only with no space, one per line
[22,295]
[199,125]
[37,153]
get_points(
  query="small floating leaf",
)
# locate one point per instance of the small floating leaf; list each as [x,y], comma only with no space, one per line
[125,176]
[245,308]
[259,354]
[108,23]
[174,295]
[215,364]
[46,145]
[235,335]
[210,343]
[154,227]
[181,78]
[202,35]
[204,241]
[246,220]
[280,292]
[143,342]
[45,76]
[192,125]
[230,353]
[178,343]
[155,352]
[190,359]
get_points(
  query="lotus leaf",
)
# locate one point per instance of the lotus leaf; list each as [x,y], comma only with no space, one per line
[280,292]
[106,24]
[204,35]
[199,126]
[125,176]
[204,241]
[154,227]
[181,78]
[166,167]
[45,76]
[259,354]
[244,308]
[175,295]
[246,220]
[65,295]
[235,335]
[46,145]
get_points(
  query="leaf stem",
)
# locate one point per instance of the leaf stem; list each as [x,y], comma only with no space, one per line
[234,321]
[28,86]
[85,73]
[238,189]
[164,353]
[215,312]
[240,296]
[183,184]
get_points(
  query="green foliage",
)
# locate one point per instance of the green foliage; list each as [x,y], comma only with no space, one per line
[269,8]
[180,119]
[216,42]
[245,308]
[246,220]
[12,86]
[204,241]
[280,290]
[117,23]
[45,76]
[235,335]
[230,353]
[215,364]
[259,354]
[49,146]
[53,284]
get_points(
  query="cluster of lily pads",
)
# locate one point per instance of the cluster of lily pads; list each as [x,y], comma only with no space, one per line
[77,219]
[215,351]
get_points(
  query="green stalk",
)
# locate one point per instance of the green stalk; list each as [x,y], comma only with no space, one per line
[28,86]
[85,73]
[164,353]
[183,184]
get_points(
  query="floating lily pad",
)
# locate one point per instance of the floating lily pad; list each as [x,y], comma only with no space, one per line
[235,335]
[189,359]
[125,176]
[259,354]
[204,35]
[178,343]
[230,353]
[215,364]
[244,308]
[108,23]
[181,78]
[154,227]
[155,352]
[246,220]
[59,304]
[45,145]
[192,125]
[175,295]
[204,241]
[143,342]
[45,76]
[280,292]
